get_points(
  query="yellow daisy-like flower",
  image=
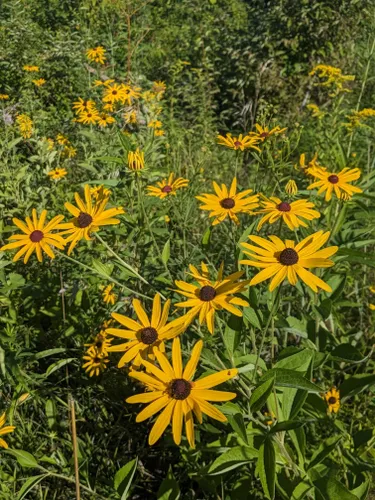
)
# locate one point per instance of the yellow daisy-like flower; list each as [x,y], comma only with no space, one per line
[159,132]
[101,343]
[97,54]
[209,296]
[171,389]
[88,218]
[25,125]
[159,87]
[95,362]
[38,237]
[315,111]
[372,289]
[100,192]
[136,160]
[109,297]
[99,83]
[291,188]
[155,124]
[241,142]
[291,213]
[226,203]
[306,165]
[288,260]
[39,82]
[62,140]
[115,93]
[31,69]
[105,120]
[335,182]
[57,173]
[51,143]
[89,117]
[4,430]
[167,187]
[264,133]
[332,398]
[4,97]
[372,307]
[83,105]
[130,117]
[69,152]
[146,336]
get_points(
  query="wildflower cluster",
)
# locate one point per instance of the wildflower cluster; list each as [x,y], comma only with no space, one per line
[25,125]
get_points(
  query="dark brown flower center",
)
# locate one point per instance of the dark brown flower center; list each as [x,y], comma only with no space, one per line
[333,179]
[97,360]
[148,335]
[288,257]
[89,115]
[332,400]
[179,388]
[166,189]
[227,203]
[84,220]
[36,236]
[207,293]
[284,206]
[114,92]
[264,135]
[99,344]
[238,144]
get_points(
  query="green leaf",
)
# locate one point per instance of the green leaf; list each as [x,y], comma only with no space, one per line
[14,142]
[323,451]
[51,413]
[29,484]
[301,490]
[346,352]
[251,316]
[59,364]
[169,489]
[166,253]
[287,425]
[49,352]
[267,468]
[331,489]
[291,378]
[103,269]
[206,237]
[232,459]
[356,384]
[124,478]
[235,418]
[362,490]
[24,458]
[261,393]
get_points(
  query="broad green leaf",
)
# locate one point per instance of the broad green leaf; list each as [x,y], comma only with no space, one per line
[169,489]
[362,490]
[290,378]
[51,413]
[49,352]
[232,459]
[301,490]
[206,237]
[166,253]
[24,458]
[260,395]
[355,384]
[124,478]
[250,315]
[235,418]
[59,364]
[267,468]
[103,269]
[331,489]
[287,425]
[29,484]
[346,352]
[323,451]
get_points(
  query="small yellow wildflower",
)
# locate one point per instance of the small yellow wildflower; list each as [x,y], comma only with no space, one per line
[4,97]
[109,297]
[40,82]
[25,125]
[136,160]
[291,188]
[334,78]
[57,173]
[332,398]
[96,55]
[315,111]
[31,69]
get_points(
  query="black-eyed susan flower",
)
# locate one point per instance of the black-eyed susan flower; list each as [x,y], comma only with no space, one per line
[136,160]
[144,336]
[167,187]
[332,398]
[109,296]
[155,124]
[25,125]
[372,307]
[96,362]
[291,188]
[62,140]
[37,237]
[83,105]
[89,117]
[39,82]
[57,173]
[159,87]
[171,389]
[115,93]
[31,69]
[330,182]
[4,430]
[208,296]
[305,165]
[101,342]
[131,116]
[100,192]
[96,54]
[88,218]
[226,203]
[69,152]
[159,132]
[4,97]
[372,288]
[287,260]
[104,120]
[239,143]
[264,133]
[291,213]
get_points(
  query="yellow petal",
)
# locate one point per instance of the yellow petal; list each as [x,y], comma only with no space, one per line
[191,365]
[215,379]
[162,422]
[176,357]
[152,408]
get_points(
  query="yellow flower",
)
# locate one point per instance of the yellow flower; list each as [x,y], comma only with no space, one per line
[263,133]
[97,54]
[105,120]
[136,160]
[331,77]
[62,140]
[171,389]
[159,133]
[167,187]
[116,93]
[332,398]
[4,97]
[70,152]
[307,166]
[315,111]
[167,219]
[31,69]
[4,430]
[155,124]
[100,192]
[159,87]
[287,260]
[89,117]
[40,82]
[372,289]
[226,203]
[57,173]
[81,105]
[130,117]
[372,307]
[145,336]
[358,118]
[291,188]
[101,343]
[25,125]
[99,83]
[148,96]
[239,142]
[210,296]
[95,362]
[37,236]
[335,182]
[88,218]
[51,143]
[109,297]
[291,213]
